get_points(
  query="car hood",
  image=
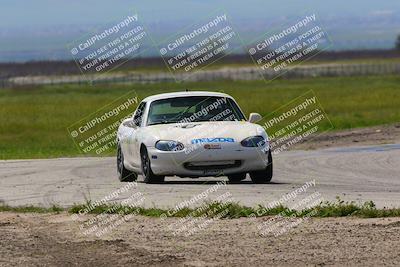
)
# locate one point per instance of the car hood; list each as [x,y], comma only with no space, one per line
[187,132]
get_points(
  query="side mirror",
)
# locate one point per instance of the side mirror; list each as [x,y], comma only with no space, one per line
[254,117]
[129,123]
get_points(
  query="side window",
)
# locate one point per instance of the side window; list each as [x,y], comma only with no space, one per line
[137,117]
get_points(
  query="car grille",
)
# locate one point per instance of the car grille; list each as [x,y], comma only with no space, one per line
[212,165]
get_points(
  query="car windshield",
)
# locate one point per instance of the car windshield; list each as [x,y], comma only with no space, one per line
[193,109]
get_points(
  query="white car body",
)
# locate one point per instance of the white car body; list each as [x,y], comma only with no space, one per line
[211,148]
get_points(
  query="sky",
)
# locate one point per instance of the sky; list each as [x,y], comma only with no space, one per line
[47,25]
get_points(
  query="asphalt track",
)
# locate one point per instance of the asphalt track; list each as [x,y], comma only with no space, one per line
[354,174]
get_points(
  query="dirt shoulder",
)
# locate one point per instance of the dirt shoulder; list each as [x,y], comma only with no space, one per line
[384,134]
[51,239]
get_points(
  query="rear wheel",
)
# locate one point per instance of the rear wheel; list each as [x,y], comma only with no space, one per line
[236,178]
[149,176]
[263,176]
[124,175]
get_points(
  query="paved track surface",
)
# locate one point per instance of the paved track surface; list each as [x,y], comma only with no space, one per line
[354,173]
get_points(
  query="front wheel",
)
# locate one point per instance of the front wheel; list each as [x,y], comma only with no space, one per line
[263,176]
[236,178]
[124,175]
[149,176]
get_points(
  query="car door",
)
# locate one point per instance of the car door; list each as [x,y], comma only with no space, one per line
[134,147]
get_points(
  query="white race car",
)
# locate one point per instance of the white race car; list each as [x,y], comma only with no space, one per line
[192,134]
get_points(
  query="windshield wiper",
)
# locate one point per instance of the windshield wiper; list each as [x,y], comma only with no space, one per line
[162,122]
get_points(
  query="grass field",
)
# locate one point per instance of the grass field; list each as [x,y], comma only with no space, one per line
[34,121]
[338,208]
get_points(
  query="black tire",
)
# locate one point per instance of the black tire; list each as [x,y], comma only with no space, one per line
[263,176]
[148,175]
[124,175]
[236,178]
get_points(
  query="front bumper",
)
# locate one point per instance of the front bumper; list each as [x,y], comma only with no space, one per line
[208,162]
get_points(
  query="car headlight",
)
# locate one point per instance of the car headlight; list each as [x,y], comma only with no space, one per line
[254,141]
[169,145]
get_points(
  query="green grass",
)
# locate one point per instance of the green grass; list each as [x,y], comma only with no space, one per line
[338,208]
[34,120]
[31,209]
